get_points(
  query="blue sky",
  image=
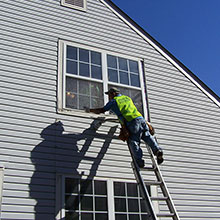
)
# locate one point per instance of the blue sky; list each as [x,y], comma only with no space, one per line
[189,29]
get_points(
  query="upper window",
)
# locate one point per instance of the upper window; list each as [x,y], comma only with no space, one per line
[86,73]
[77,4]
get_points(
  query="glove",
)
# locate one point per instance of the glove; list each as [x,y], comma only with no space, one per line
[87,109]
[124,133]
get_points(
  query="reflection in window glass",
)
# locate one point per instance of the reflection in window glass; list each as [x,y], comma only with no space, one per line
[82,93]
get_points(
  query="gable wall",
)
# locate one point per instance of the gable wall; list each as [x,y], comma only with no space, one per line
[33,149]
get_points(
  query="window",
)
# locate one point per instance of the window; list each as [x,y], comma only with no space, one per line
[95,199]
[86,73]
[76,4]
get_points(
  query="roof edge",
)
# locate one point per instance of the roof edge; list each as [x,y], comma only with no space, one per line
[189,74]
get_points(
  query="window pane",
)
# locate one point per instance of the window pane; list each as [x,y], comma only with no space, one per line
[119,189]
[143,206]
[86,187]
[133,205]
[135,81]
[86,216]
[100,188]
[120,217]
[97,90]
[86,203]
[83,69]
[133,66]
[97,103]
[113,75]
[84,101]
[71,216]
[101,216]
[124,78]
[84,87]
[96,72]
[132,189]
[84,55]
[134,217]
[96,57]
[123,64]
[71,100]
[112,61]
[72,52]
[143,217]
[101,204]
[71,84]
[72,202]
[71,67]
[120,205]
[71,185]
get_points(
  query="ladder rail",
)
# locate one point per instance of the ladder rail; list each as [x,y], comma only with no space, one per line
[164,188]
[149,206]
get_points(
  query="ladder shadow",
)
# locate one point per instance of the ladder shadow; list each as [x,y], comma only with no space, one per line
[60,152]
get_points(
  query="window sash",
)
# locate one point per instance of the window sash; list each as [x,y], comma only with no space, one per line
[104,66]
[110,196]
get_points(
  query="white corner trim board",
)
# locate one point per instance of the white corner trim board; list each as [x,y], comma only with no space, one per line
[163,53]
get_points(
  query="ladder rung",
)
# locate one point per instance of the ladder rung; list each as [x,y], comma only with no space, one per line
[159,198]
[153,182]
[165,214]
[148,168]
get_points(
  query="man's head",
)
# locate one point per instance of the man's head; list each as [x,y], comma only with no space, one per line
[112,92]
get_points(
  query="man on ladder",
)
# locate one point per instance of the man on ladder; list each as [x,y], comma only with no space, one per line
[131,120]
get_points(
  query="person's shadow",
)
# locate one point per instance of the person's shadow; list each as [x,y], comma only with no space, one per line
[59,152]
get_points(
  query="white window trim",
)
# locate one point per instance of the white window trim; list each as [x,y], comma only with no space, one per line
[63,3]
[60,194]
[61,82]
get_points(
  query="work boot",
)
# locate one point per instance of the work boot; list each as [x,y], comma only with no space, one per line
[159,157]
[140,163]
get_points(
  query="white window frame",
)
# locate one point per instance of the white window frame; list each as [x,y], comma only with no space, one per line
[61,77]
[63,3]
[60,197]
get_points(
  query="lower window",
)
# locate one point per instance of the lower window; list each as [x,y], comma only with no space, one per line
[87,199]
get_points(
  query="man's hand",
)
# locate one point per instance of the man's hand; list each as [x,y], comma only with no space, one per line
[87,109]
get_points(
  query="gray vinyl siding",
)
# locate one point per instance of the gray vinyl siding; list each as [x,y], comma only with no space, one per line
[32,149]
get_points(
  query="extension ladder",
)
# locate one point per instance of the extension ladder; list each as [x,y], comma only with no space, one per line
[152,215]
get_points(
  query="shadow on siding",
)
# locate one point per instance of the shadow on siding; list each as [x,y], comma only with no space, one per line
[59,153]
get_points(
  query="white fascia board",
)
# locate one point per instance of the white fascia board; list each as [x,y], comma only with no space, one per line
[162,53]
